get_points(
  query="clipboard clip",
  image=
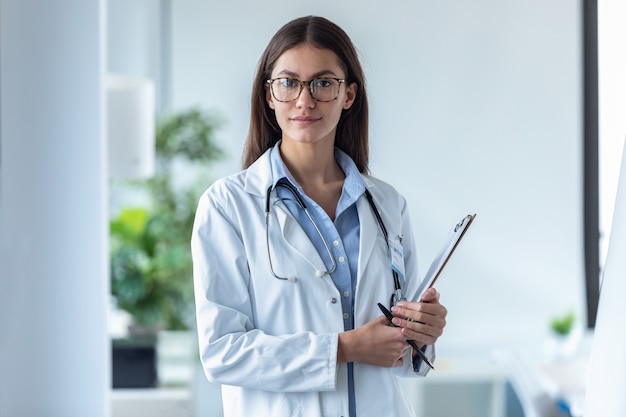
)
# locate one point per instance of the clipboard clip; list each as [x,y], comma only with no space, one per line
[460,224]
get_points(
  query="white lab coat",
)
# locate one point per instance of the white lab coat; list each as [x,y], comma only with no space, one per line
[272,344]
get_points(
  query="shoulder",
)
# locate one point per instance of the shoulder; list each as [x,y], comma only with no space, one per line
[381,189]
[224,198]
[391,204]
[223,189]
[248,183]
[226,201]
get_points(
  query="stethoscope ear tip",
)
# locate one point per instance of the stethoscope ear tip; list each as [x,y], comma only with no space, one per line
[319,273]
[292,279]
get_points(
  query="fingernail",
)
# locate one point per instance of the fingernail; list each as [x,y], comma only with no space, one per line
[396,321]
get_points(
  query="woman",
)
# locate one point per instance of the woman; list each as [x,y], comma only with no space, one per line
[291,257]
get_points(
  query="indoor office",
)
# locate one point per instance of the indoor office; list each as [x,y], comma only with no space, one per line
[115,115]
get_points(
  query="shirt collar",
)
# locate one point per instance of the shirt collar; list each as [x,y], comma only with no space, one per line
[353,186]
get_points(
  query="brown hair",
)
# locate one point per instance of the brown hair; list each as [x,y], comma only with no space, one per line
[352,130]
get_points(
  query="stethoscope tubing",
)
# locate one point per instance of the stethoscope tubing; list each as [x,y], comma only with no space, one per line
[304,208]
[397,296]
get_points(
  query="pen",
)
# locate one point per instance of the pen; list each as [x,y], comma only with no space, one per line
[421,354]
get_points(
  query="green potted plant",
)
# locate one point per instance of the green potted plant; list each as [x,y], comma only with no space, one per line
[151,272]
[564,337]
[562,325]
[151,269]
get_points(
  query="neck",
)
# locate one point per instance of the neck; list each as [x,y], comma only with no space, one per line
[311,163]
[314,167]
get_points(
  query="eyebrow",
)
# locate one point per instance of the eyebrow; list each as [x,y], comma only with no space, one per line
[316,75]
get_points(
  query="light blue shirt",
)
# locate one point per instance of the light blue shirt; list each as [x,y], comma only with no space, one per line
[342,235]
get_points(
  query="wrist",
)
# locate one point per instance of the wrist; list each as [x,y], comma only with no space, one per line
[345,347]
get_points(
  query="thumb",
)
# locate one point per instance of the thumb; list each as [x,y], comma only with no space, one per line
[430,295]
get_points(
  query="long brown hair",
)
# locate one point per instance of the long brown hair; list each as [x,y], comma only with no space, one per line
[352,130]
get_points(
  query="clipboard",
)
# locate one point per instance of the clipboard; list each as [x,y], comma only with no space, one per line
[440,261]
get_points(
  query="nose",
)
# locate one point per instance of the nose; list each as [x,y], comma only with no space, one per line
[305,99]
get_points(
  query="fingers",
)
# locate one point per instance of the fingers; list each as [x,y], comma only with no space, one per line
[420,312]
[421,333]
[376,343]
[421,321]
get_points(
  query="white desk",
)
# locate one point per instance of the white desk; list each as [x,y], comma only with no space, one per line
[151,402]
[459,387]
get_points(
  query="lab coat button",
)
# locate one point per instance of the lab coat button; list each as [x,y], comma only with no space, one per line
[333,300]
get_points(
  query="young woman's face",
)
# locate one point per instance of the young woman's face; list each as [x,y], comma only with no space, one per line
[305,119]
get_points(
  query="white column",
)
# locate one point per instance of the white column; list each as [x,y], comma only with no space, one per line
[54,350]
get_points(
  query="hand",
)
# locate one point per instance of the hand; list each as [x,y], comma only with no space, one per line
[421,321]
[375,343]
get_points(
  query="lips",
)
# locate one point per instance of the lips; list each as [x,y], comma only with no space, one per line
[305,119]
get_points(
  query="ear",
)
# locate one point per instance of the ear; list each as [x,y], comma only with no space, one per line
[269,98]
[351,91]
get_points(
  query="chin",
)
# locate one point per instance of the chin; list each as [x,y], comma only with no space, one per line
[299,137]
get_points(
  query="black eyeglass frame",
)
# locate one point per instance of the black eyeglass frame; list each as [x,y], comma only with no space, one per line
[270,82]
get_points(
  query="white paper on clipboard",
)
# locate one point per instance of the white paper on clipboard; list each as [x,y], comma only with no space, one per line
[454,237]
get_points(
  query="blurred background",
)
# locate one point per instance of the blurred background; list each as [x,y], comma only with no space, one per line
[489,107]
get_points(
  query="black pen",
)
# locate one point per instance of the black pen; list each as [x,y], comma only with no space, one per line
[421,354]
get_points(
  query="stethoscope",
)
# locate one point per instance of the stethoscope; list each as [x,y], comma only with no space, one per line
[395,297]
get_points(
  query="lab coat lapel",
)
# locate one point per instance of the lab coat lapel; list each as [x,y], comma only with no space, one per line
[369,230]
[295,236]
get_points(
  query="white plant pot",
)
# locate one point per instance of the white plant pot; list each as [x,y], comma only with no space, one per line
[562,347]
[177,357]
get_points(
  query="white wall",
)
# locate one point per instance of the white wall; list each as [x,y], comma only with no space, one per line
[475,107]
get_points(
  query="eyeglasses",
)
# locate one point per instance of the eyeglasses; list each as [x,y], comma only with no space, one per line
[289,89]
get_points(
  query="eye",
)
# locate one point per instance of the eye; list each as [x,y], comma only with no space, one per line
[323,82]
[288,82]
